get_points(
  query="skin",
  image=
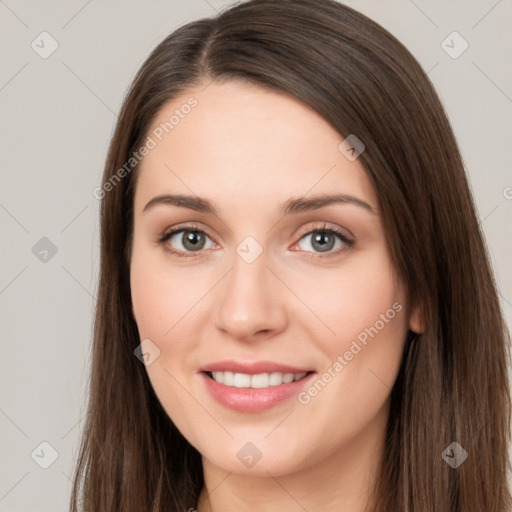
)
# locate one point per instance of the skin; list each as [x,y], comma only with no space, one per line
[248,150]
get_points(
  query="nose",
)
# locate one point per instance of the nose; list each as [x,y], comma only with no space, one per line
[250,301]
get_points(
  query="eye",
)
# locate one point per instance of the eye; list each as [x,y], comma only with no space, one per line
[325,239]
[185,239]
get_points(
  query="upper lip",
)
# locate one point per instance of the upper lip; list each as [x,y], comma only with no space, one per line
[252,368]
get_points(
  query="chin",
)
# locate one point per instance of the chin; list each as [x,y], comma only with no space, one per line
[258,458]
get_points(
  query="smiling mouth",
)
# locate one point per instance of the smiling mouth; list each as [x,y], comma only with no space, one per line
[256,381]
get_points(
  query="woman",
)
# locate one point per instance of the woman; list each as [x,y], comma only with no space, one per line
[296,308]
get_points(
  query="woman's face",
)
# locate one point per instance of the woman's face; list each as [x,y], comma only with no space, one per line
[260,292]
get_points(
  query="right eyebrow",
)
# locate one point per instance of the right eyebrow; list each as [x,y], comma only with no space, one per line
[192,203]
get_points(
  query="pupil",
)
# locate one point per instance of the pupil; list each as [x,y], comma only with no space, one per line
[192,240]
[323,245]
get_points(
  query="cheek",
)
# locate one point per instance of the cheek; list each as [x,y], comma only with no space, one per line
[364,309]
[151,304]
[351,300]
[160,296]
[166,307]
[160,302]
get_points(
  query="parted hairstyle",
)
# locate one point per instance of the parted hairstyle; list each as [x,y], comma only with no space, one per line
[453,383]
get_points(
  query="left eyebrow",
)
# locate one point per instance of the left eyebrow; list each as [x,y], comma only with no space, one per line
[316,202]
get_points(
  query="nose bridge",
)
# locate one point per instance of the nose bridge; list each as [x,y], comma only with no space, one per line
[249,302]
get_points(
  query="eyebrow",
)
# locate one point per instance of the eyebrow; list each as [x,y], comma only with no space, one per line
[291,206]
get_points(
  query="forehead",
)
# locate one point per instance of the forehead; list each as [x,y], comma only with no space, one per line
[235,139]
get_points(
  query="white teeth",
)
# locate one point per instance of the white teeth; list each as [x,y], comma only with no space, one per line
[276,379]
[260,380]
[242,380]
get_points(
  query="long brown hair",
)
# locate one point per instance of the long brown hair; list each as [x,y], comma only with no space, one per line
[453,382]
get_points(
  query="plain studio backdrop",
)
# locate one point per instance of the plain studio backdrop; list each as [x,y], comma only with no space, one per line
[65,68]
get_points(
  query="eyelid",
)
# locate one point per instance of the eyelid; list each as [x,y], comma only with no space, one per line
[321,226]
[186,226]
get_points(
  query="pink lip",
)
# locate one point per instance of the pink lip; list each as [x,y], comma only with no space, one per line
[253,399]
[252,368]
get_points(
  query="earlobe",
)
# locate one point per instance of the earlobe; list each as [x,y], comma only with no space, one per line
[416,320]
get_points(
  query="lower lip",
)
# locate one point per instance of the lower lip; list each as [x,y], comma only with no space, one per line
[253,399]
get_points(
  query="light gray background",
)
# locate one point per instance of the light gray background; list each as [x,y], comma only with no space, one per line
[57,117]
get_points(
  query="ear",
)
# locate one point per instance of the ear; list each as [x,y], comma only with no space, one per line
[416,319]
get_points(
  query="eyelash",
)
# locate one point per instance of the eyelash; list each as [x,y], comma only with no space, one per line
[325,228]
